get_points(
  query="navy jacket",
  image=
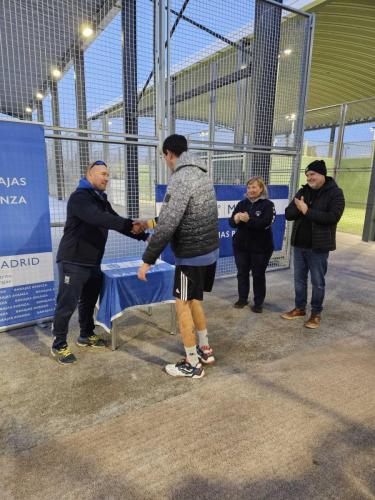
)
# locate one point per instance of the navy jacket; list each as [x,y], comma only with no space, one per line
[255,235]
[89,217]
[324,213]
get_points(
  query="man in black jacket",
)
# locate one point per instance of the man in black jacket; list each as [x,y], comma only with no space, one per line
[89,217]
[315,210]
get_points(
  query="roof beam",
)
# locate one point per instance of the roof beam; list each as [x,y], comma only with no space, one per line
[177,20]
[209,86]
[67,57]
[180,15]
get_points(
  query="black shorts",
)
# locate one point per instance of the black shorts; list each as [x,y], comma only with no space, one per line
[191,281]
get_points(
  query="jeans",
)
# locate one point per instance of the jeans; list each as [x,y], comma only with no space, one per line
[78,285]
[256,263]
[306,260]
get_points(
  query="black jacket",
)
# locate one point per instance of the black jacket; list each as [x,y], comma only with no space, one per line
[89,216]
[324,213]
[255,235]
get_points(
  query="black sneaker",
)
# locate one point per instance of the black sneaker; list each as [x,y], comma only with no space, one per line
[92,341]
[257,309]
[63,355]
[206,354]
[240,304]
[185,369]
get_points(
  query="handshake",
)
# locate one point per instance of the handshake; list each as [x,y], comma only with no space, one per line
[141,225]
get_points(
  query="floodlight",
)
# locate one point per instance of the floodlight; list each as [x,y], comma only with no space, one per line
[56,73]
[86,30]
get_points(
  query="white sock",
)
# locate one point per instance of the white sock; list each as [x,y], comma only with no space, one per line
[191,355]
[203,337]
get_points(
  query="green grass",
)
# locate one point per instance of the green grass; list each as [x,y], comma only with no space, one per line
[354,179]
[352,221]
[146,186]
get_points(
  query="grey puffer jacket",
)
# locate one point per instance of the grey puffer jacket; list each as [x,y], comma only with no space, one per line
[188,218]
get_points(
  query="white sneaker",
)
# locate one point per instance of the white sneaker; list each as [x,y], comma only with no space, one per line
[185,369]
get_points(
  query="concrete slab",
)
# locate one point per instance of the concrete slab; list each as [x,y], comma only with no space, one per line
[285,413]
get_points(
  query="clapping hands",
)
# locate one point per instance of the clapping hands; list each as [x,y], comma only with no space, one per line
[241,217]
[301,205]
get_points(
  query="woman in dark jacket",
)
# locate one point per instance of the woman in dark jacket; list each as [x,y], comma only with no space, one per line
[253,242]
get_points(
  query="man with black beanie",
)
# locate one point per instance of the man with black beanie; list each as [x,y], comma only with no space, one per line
[316,209]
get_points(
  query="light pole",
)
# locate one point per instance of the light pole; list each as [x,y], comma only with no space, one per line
[291,118]
[372,129]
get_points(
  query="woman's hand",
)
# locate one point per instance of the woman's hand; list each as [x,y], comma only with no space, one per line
[241,217]
[245,217]
[237,218]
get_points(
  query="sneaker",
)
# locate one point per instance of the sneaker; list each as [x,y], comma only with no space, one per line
[240,304]
[293,314]
[63,355]
[92,341]
[206,354]
[313,322]
[185,369]
[257,309]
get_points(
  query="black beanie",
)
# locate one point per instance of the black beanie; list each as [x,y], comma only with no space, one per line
[318,166]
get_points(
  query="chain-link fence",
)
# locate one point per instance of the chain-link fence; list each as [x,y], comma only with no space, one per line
[110,79]
[349,162]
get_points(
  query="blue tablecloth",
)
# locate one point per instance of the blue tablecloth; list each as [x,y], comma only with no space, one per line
[122,289]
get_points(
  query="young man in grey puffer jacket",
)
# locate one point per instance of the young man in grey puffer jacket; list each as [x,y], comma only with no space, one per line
[189,221]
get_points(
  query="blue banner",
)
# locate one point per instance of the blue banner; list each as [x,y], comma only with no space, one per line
[26,270]
[227,198]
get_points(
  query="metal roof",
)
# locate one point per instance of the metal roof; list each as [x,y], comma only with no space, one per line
[49,48]
[343,61]
[342,70]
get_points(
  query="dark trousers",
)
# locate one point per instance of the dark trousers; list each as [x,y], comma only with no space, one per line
[256,263]
[306,260]
[78,285]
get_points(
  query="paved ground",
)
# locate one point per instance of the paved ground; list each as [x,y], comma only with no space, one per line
[286,413]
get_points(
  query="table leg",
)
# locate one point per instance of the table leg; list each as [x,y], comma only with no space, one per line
[114,335]
[173,320]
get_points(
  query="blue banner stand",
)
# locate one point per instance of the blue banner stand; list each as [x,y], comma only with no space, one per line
[26,270]
[227,198]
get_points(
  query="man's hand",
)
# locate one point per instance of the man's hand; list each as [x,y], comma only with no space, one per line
[301,205]
[142,271]
[138,227]
[143,225]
